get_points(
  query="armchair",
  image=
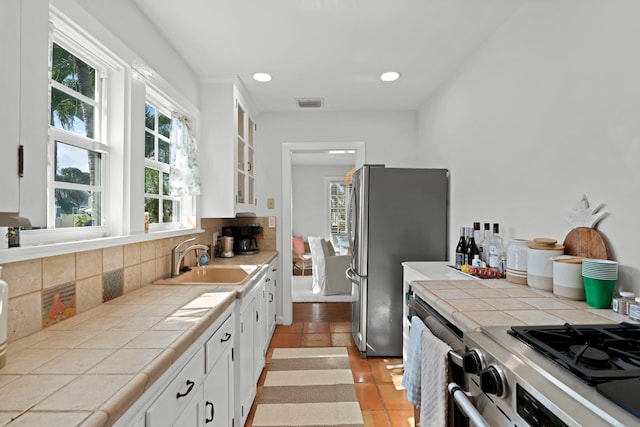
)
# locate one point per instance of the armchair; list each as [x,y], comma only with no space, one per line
[328,269]
[301,262]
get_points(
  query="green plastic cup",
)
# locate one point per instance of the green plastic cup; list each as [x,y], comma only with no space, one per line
[598,292]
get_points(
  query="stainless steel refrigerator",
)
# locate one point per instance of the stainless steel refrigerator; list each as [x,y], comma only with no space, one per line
[395,215]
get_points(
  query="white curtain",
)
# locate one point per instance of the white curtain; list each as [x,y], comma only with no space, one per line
[184,179]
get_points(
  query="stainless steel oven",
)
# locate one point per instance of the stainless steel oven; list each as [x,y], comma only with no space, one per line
[551,376]
[449,333]
[512,383]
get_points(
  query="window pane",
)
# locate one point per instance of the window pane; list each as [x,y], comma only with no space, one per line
[165,184]
[151,206]
[149,146]
[77,165]
[163,151]
[76,208]
[151,181]
[164,125]
[167,211]
[150,116]
[71,114]
[73,73]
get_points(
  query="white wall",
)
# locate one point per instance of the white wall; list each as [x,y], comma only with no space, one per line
[390,137]
[309,194]
[137,42]
[546,110]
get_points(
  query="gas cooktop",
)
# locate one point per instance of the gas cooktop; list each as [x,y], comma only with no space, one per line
[607,356]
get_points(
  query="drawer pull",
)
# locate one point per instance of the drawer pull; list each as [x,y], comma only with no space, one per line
[190,385]
[213,412]
[227,337]
[270,297]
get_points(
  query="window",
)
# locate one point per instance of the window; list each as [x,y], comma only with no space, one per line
[76,151]
[338,200]
[162,208]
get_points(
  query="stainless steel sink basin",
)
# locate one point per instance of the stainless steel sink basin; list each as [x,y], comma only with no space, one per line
[212,275]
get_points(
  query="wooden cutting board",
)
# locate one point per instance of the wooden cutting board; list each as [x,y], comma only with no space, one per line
[586,242]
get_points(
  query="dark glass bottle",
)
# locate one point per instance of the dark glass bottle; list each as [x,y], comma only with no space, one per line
[461,249]
[472,250]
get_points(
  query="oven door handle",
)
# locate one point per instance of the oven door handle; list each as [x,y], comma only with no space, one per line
[463,401]
[455,358]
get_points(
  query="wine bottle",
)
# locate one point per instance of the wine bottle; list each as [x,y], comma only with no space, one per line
[461,249]
[472,250]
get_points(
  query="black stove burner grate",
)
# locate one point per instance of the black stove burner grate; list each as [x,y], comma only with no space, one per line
[594,353]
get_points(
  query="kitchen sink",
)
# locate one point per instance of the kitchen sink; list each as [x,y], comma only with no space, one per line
[212,275]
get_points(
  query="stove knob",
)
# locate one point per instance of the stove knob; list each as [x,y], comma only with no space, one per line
[472,361]
[492,381]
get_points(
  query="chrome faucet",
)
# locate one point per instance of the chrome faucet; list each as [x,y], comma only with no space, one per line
[178,255]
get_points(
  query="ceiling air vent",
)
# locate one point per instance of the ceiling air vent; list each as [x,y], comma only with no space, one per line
[309,102]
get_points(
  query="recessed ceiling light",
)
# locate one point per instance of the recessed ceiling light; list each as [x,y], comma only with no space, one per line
[389,76]
[262,77]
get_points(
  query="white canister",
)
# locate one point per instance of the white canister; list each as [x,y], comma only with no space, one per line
[567,277]
[517,261]
[540,263]
[4,312]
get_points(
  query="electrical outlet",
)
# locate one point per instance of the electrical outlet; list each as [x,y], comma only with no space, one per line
[271,203]
[272,222]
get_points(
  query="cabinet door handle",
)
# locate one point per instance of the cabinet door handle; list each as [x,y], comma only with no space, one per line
[257,316]
[213,412]
[227,337]
[21,161]
[270,297]
[249,166]
[190,385]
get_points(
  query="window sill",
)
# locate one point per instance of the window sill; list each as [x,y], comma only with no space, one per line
[24,253]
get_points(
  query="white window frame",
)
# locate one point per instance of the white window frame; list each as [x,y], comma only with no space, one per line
[327,206]
[185,215]
[110,76]
[79,141]
[123,182]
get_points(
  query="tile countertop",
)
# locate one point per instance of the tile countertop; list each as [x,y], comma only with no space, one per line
[470,303]
[89,369]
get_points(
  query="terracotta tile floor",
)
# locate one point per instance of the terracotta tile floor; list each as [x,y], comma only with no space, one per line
[377,380]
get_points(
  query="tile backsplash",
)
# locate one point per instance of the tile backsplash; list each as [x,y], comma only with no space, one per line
[49,290]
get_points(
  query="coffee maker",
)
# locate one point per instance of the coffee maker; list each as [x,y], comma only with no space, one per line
[244,240]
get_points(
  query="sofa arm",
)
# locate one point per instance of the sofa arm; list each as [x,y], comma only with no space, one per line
[337,282]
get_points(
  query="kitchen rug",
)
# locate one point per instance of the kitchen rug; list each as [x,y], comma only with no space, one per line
[311,386]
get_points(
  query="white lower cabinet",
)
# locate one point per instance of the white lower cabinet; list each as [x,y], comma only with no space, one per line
[218,387]
[202,393]
[180,393]
[216,384]
[246,347]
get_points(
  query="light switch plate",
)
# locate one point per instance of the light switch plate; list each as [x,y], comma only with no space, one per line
[272,222]
[271,203]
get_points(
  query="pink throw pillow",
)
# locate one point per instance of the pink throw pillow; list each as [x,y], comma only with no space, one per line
[298,244]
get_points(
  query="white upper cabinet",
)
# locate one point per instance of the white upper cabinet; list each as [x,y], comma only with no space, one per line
[24,107]
[227,153]
[10,107]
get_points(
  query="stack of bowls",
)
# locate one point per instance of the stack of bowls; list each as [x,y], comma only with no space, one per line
[599,276]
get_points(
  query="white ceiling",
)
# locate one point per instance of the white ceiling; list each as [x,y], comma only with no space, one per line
[332,49]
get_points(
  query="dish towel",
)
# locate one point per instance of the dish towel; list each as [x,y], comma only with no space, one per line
[435,378]
[411,376]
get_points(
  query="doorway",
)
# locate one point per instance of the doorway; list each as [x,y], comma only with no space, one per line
[292,152]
